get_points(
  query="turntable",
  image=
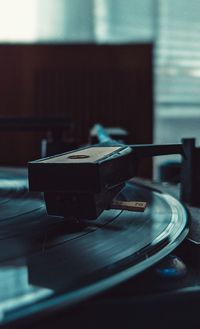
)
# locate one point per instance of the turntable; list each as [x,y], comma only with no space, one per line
[99,247]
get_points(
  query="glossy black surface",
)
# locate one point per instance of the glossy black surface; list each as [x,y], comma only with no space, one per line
[47,263]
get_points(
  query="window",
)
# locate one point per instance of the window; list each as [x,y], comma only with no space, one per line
[18,20]
[76,21]
[173,26]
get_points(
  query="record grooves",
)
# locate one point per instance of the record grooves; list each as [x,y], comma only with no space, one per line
[58,264]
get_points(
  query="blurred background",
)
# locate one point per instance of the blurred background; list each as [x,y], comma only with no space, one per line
[171,29]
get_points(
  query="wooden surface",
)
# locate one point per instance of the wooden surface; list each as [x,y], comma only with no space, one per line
[88,83]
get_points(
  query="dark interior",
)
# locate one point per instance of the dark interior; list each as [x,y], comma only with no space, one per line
[87,83]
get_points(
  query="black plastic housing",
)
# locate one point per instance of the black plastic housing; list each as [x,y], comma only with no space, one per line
[90,174]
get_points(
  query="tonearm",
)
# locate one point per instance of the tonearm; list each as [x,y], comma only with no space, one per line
[82,183]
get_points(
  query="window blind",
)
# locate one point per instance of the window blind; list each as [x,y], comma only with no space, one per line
[177,54]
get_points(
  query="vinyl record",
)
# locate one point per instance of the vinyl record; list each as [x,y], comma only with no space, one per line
[47,263]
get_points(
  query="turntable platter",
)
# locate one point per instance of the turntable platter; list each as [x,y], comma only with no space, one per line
[47,263]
